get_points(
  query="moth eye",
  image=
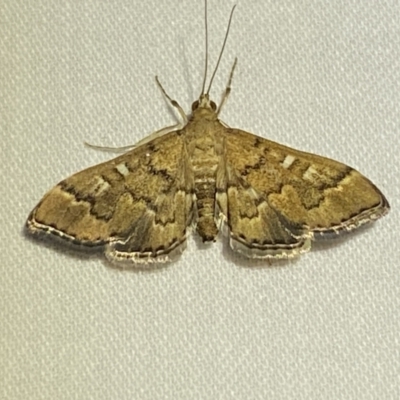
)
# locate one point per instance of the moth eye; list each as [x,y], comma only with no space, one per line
[213,105]
[195,105]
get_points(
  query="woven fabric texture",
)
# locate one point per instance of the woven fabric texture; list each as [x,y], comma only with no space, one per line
[319,76]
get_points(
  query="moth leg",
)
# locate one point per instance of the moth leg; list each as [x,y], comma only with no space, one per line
[175,104]
[224,124]
[228,88]
[124,149]
[159,133]
[110,149]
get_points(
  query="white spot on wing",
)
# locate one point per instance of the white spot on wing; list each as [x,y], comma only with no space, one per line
[310,174]
[122,169]
[288,161]
[100,186]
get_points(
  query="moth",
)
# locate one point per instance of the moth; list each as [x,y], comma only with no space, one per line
[272,201]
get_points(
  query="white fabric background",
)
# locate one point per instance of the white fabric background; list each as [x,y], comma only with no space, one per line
[321,76]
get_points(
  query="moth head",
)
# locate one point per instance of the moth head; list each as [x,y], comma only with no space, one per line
[204,102]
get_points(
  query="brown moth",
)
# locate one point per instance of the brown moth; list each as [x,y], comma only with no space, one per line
[273,200]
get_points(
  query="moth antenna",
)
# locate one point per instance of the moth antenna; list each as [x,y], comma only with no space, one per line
[222,50]
[206,47]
